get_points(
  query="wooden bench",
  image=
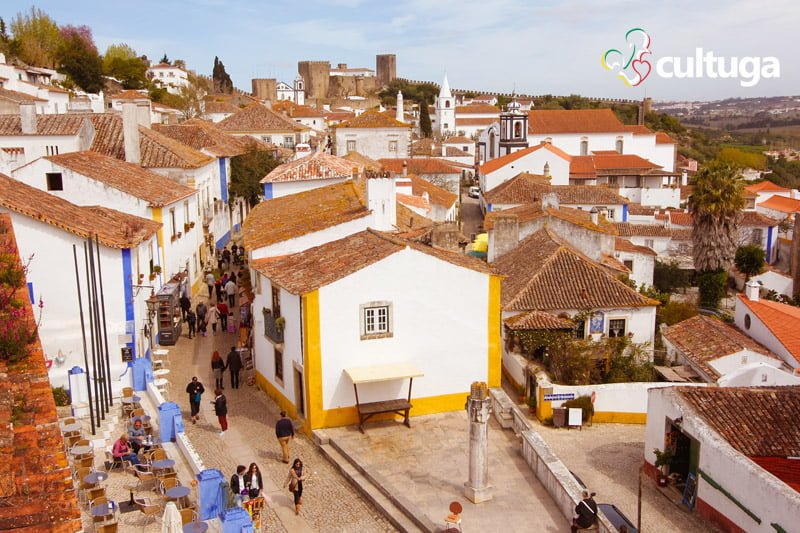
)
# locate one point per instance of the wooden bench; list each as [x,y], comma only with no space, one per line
[367,410]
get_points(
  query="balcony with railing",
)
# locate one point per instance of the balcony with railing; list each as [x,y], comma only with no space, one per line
[273,326]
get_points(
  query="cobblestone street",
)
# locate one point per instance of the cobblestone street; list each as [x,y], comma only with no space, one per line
[330,503]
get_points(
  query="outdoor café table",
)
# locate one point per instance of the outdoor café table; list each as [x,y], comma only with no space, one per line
[77,451]
[177,493]
[195,527]
[162,464]
[130,400]
[95,477]
[105,509]
[161,372]
[71,428]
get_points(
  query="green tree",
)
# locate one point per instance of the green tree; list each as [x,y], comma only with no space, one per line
[165,60]
[674,312]
[222,81]
[36,38]
[425,127]
[714,205]
[78,58]
[750,260]
[668,276]
[248,169]
[121,62]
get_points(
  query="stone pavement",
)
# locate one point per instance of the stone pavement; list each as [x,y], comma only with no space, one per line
[330,503]
[428,465]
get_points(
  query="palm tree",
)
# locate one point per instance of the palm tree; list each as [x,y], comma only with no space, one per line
[715,204]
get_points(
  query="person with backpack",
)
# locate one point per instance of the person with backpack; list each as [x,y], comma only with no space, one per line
[195,391]
[191,320]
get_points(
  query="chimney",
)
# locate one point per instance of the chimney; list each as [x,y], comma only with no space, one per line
[405,167]
[27,115]
[595,216]
[550,200]
[382,203]
[130,133]
[752,290]
[546,172]
[684,178]
[399,113]
[504,237]
[445,236]
[403,185]
[444,150]
[143,114]
[342,66]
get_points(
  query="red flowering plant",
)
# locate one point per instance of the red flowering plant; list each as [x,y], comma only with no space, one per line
[17,329]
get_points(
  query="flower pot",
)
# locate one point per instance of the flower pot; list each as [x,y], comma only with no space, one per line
[661,480]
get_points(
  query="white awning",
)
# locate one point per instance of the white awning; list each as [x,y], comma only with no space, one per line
[375,373]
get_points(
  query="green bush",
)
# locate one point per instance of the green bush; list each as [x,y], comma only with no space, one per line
[712,287]
[61,396]
[585,403]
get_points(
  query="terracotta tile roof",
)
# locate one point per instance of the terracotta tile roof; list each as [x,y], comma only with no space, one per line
[479,108]
[157,150]
[51,88]
[537,320]
[362,161]
[681,234]
[475,121]
[430,148]
[214,106]
[64,124]
[459,139]
[419,165]
[203,135]
[18,97]
[754,218]
[134,180]
[757,421]
[436,194]
[339,115]
[543,273]
[626,229]
[590,166]
[316,267]
[781,203]
[372,119]
[638,129]
[703,339]
[295,215]
[410,224]
[749,194]
[296,110]
[500,162]
[315,166]
[257,118]
[680,218]
[130,94]
[686,191]
[114,228]
[534,211]
[663,138]
[638,209]
[766,186]
[525,188]
[573,121]
[782,320]
[624,245]
[417,202]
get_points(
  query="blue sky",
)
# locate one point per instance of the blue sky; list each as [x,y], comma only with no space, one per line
[537,47]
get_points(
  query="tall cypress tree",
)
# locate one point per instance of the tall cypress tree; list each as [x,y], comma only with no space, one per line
[222,81]
[425,128]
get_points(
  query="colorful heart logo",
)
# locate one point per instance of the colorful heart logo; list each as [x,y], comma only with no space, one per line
[632,68]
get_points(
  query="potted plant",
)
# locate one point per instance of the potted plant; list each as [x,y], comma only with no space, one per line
[180,234]
[174,238]
[186,227]
[280,323]
[663,460]
[191,224]
[155,271]
[532,404]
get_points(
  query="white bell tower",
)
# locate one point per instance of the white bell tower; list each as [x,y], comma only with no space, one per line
[445,109]
[399,113]
[299,90]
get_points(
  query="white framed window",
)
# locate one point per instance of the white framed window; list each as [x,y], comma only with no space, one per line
[619,145]
[173,223]
[351,146]
[288,141]
[610,214]
[617,327]
[392,146]
[584,146]
[376,320]
[650,243]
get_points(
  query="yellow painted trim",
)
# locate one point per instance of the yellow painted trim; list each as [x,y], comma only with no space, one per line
[610,417]
[544,409]
[158,216]
[348,416]
[312,360]
[283,402]
[495,344]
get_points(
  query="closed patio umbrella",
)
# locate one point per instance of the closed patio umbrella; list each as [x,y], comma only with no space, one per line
[171,522]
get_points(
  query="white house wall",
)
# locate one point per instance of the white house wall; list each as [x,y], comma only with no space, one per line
[534,163]
[373,142]
[759,332]
[285,188]
[449,347]
[317,238]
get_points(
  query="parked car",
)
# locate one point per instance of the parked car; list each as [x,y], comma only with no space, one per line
[474,192]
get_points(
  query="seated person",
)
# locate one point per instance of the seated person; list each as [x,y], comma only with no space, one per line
[137,436]
[585,513]
[122,452]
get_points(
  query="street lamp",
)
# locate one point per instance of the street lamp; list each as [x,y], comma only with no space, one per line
[152,307]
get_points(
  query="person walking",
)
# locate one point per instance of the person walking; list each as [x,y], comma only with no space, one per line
[238,484]
[195,391]
[201,311]
[252,481]
[218,289]
[585,512]
[284,431]
[221,410]
[186,305]
[210,283]
[217,368]
[234,365]
[230,290]
[222,307]
[191,320]
[213,318]
[295,483]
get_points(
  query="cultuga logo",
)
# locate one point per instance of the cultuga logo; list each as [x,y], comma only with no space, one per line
[633,67]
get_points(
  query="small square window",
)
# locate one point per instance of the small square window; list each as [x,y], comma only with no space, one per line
[376,320]
[616,327]
[351,146]
[628,264]
[278,362]
[54,181]
[580,329]
[392,146]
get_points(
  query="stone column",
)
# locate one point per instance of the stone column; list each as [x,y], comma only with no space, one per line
[477,489]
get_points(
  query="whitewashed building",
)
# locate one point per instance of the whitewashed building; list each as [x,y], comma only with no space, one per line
[310,172]
[169,77]
[264,124]
[374,134]
[774,325]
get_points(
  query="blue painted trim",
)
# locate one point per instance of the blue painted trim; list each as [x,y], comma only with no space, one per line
[489,208]
[223,179]
[267,191]
[223,240]
[237,228]
[30,293]
[624,212]
[127,280]
[769,244]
